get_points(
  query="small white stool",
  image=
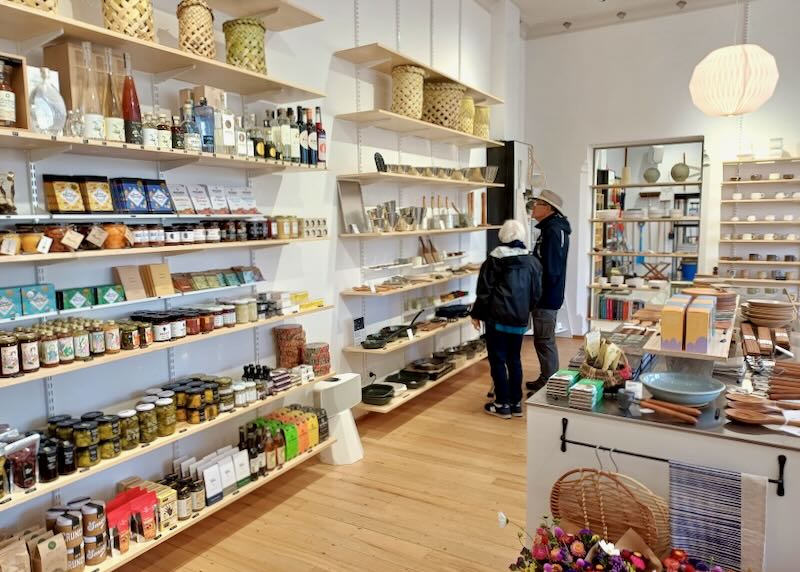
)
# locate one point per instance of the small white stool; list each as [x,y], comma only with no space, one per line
[337,398]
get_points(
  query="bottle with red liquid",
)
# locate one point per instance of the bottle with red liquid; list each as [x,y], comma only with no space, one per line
[131,112]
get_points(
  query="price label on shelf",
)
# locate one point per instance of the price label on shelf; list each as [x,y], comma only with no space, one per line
[72,239]
[410,333]
[97,236]
[44,244]
[8,247]
[373,289]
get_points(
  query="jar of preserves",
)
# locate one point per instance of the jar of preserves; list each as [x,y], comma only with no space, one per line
[97,338]
[141,236]
[156,235]
[196,416]
[108,427]
[111,448]
[206,318]
[128,429]
[92,416]
[81,344]
[200,234]
[48,349]
[116,238]
[162,330]
[145,333]
[172,236]
[177,326]
[148,423]
[218,318]
[180,414]
[47,459]
[84,434]
[129,337]
[166,394]
[64,429]
[212,411]
[86,457]
[251,393]
[213,233]
[227,231]
[184,503]
[186,233]
[263,309]
[66,347]
[112,337]
[28,351]
[195,398]
[229,315]
[239,395]
[148,399]
[284,227]
[211,392]
[198,496]
[180,396]
[252,310]
[9,356]
[226,402]
[165,416]
[52,424]
[242,311]
[66,458]
[192,322]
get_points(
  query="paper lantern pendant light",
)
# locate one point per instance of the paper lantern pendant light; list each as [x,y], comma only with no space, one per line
[734,80]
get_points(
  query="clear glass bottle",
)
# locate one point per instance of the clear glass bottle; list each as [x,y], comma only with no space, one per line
[295,137]
[177,132]
[277,132]
[115,123]
[228,128]
[191,135]
[149,131]
[286,135]
[48,112]
[131,111]
[164,132]
[256,138]
[94,122]
[204,119]
[241,138]
[270,148]
[8,98]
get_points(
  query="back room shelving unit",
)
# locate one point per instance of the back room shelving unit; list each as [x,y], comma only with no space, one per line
[645,224]
[383,59]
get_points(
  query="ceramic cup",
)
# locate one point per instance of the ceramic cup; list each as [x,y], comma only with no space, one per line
[752,291]
[791,236]
[737,237]
[417,261]
[788,217]
[769,236]
[753,256]
[769,217]
[737,196]
[734,219]
[790,258]
[774,176]
[751,218]
[762,274]
[617,280]
[796,195]
[602,280]
[744,273]
[747,236]
[756,196]
[780,195]
[727,236]
[772,257]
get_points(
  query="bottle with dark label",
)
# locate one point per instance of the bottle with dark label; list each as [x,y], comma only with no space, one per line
[242,442]
[262,456]
[301,127]
[164,135]
[256,138]
[322,141]
[252,454]
[270,451]
[131,112]
[312,138]
[177,133]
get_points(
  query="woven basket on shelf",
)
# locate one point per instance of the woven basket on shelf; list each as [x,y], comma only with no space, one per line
[244,41]
[610,379]
[466,115]
[46,5]
[196,28]
[441,102]
[610,504]
[133,18]
[481,127]
[407,91]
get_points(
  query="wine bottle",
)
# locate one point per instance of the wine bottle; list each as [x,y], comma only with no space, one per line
[177,133]
[303,136]
[115,124]
[312,138]
[322,141]
[131,112]
[94,123]
[286,136]
[295,137]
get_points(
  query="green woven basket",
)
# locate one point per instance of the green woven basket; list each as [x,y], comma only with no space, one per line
[244,40]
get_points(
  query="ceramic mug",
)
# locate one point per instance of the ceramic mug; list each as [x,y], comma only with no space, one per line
[617,280]
[788,217]
[791,275]
[751,218]
[769,217]
[791,236]
[796,195]
[756,196]
[417,261]
[737,196]
[790,258]
[744,274]
[772,257]
[753,256]
[602,280]
[727,236]
[769,236]
[747,236]
[762,275]
[734,219]
[780,196]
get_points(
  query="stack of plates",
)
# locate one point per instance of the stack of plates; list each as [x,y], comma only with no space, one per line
[769,313]
[726,299]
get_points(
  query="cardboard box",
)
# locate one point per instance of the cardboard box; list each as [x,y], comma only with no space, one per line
[215,97]
[76,298]
[157,279]
[700,320]
[673,321]
[10,303]
[38,299]
[110,294]
[131,281]
[19,84]
[67,59]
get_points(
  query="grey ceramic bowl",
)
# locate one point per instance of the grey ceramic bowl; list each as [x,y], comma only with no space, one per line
[682,388]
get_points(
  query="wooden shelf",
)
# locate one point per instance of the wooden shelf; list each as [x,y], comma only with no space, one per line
[404,342]
[733,202]
[735,222]
[22,23]
[58,257]
[137,549]
[155,347]
[382,59]
[182,431]
[650,185]
[372,178]
[761,182]
[648,254]
[759,241]
[417,232]
[351,292]
[759,262]
[720,346]
[768,281]
[43,146]
[410,394]
[765,161]
[612,289]
[630,220]
[276,15]
[411,127]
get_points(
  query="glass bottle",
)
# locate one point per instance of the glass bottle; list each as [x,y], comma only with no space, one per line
[256,138]
[241,138]
[131,111]
[8,98]
[312,138]
[280,448]
[164,132]
[191,136]
[94,123]
[228,128]
[252,453]
[48,112]
[322,141]
[286,135]
[270,451]
[177,133]
[204,119]
[277,134]
[115,124]
[303,136]
[262,456]
[149,131]
[74,125]
[271,149]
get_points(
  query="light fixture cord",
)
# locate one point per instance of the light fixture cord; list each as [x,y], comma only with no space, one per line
[743,11]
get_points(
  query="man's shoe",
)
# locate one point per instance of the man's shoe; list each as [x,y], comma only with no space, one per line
[498,410]
[516,410]
[535,386]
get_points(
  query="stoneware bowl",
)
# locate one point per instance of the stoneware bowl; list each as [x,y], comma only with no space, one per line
[682,388]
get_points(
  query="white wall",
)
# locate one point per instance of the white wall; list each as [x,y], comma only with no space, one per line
[629,82]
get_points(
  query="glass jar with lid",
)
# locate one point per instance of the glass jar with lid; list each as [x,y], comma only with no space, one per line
[251,393]
[252,310]
[128,429]
[141,236]
[172,236]
[162,331]
[108,427]
[87,456]
[229,315]
[165,416]
[242,311]
[64,429]
[80,339]
[148,423]
[66,346]
[85,434]
[28,351]
[112,337]
[156,235]
[195,398]
[239,395]
[218,318]
[52,424]
[177,325]
[186,233]
[129,336]
[48,349]
[200,234]
[226,401]
[110,449]
[192,322]
[206,320]
[9,355]
[227,231]
[66,458]
[211,392]
[213,233]
[97,338]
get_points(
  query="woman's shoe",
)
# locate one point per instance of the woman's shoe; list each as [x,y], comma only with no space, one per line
[516,410]
[498,410]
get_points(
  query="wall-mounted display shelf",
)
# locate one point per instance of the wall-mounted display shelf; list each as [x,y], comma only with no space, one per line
[648,220]
[648,254]
[22,23]
[736,222]
[405,342]
[410,127]
[738,201]
[371,178]
[410,394]
[409,288]
[58,257]
[649,185]
[277,15]
[759,262]
[608,289]
[155,347]
[94,217]
[759,241]
[417,232]
[382,59]
[182,431]
[138,548]
[42,146]
[761,182]
[769,281]
[764,161]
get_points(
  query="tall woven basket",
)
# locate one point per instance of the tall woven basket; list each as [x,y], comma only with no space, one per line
[244,41]
[481,126]
[196,28]
[407,84]
[441,103]
[466,115]
[46,5]
[130,17]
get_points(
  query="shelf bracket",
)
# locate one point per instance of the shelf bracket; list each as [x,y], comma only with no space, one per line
[266,95]
[161,77]
[27,46]
[47,152]
[178,163]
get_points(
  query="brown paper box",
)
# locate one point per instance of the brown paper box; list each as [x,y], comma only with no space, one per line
[131,281]
[158,279]
[19,84]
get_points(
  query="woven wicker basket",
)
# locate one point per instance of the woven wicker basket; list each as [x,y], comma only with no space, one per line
[130,17]
[441,102]
[466,115]
[196,28]
[610,379]
[481,127]
[244,40]
[610,504]
[407,84]
[46,5]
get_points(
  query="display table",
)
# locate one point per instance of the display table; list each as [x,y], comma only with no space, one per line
[712,442]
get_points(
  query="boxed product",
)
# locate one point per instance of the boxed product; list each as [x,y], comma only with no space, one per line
[96,194]
[129,195]
[561,382]
[75,298]
[109,294]
[10,303]
[182,282]
[700,322]
[219,202]
[673,321]
[38,299]
[241,201]
[158,199]
[586,394]
[200,200]
[157,279]
[63,194]
[181,199]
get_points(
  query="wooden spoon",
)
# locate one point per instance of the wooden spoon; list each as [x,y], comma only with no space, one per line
[668,412]
[754,400]
[756,418]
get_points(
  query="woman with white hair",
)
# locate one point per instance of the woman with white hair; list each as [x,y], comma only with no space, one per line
[509,286]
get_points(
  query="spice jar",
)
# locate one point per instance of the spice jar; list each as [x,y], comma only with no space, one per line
[64,429]
[239,395]
[192,323]
[108,427]
[87,456]
[110,449]
[47,459]
[195,398]
[226,402]
[165,416]
[129,337]
[66,458]
[229,315]
[148,423]
[242,311]
[97,338]
[198,496]
[28,351]
[81,344]
[66,347]
[112,337]
[128,429]
[184,503]
[9,356]
[141,236]
[48,349]
[84,434]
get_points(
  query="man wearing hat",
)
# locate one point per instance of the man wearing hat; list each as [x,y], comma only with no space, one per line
[551,249]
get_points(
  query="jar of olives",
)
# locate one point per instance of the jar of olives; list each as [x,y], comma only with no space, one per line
[110,448]
[64,429]
[165,416]
[148,423]
[108,427]
[84,434]
[128,429]
[87,456]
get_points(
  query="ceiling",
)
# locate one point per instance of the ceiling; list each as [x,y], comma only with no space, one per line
[547,17]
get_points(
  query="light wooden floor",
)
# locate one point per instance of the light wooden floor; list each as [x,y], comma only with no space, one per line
[425,497]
